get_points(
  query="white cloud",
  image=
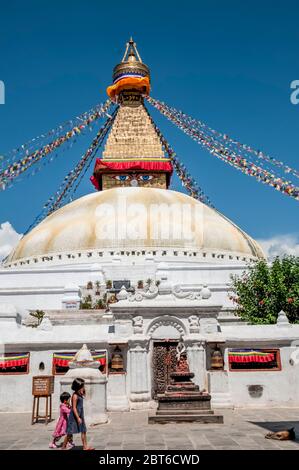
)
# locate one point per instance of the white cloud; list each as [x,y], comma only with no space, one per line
[8,239]
[280,245]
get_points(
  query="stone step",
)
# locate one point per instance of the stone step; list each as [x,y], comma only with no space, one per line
[177,418]
[185,412]
[172,405]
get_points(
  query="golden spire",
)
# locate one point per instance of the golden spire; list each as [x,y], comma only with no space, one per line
[131,53]
[133,154]
[130,73]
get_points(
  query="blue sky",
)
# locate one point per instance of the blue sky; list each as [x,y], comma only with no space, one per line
[228,63]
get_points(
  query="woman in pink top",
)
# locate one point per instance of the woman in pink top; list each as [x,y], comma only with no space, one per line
[61,425]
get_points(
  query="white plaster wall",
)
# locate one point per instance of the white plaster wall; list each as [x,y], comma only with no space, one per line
[211,274]
[117,394]
[16,390]
[31,288]
[134,273]
[47,277]
[40,288]
[24,301]
[280,388]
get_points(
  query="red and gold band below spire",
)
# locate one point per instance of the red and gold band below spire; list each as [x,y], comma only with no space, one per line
[135,173]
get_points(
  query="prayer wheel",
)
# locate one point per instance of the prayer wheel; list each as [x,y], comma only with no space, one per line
[117,362]
[217,359]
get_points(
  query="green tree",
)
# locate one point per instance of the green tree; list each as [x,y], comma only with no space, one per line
[265,289]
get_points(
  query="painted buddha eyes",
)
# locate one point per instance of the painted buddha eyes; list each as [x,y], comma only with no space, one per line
[122,177]
[130,177]
[145,177]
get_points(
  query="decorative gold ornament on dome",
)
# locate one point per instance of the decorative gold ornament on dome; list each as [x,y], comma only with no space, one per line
[131,62]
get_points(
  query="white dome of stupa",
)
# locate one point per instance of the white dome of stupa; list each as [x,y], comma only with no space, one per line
[136,218]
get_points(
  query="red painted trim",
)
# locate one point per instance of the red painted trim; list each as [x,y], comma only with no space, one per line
[152,165]
[95,182]
[26,362]
[103,167]
[272,369]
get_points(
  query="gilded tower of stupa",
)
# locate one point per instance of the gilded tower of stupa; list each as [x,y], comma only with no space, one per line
[133,154]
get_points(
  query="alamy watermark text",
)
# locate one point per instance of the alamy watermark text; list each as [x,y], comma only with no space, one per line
[295,94]
[2,92]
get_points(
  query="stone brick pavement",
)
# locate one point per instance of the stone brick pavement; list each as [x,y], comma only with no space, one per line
[242,429]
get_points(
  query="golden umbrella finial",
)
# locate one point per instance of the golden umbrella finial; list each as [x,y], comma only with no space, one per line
[131,52]
[130,73]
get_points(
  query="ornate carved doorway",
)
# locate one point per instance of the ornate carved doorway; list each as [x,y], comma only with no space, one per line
[163,363]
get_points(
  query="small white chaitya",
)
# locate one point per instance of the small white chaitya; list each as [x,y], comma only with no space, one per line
[83,366]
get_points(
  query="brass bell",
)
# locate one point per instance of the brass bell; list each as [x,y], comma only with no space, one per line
[217,359]
[117,362]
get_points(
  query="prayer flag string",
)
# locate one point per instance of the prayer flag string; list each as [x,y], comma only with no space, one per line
[56,201]
[186,179]
[226,154]
[25,148]
[228,141]
[15,169]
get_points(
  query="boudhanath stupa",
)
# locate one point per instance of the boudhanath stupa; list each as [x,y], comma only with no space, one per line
[155,265]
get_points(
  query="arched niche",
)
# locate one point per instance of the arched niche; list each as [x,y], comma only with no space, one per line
[166,327]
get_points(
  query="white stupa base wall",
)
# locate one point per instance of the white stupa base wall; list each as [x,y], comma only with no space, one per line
[117,393]
[165,313]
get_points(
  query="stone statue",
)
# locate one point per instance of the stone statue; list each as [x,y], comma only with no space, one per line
[138,324]
[193,324]
[180,350]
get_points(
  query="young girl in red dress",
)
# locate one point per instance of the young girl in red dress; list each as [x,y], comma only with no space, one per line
[61,425]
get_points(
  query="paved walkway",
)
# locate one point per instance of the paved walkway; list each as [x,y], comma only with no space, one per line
[242,429]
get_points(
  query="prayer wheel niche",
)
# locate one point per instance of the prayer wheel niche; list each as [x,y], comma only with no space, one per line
[217,359]
[117,362]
